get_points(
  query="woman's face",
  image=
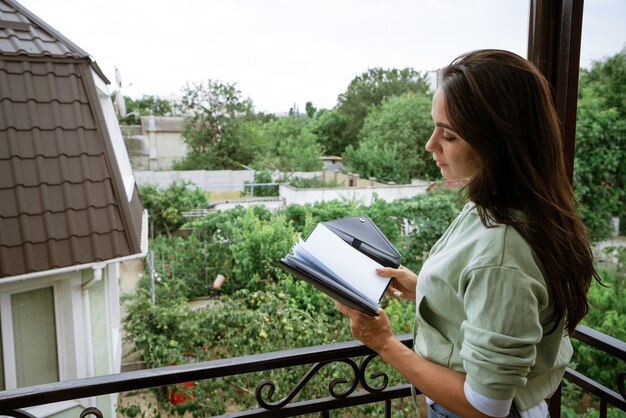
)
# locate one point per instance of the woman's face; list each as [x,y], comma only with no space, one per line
[456,159]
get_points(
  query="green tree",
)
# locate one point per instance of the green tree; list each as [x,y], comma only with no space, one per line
[310,109]
[146,105]
[256,246]
[600,159]
[216,132]
[328,126]
[166,206]
[287,145]
[599,164]
[391,145]
[243,244]
[608,80]
[369,90]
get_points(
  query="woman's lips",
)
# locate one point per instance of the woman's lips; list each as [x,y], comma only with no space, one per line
[439,164]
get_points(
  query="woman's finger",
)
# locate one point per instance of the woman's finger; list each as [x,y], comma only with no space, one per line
[340,307]
[387,271]
[392,291]
[345,310]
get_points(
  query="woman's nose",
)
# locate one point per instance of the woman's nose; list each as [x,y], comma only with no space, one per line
[431,144]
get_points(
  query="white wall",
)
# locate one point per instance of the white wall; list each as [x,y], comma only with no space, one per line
[214,180]
[169,147]
[271,204]
[217,180]
[162,134]
[361,195]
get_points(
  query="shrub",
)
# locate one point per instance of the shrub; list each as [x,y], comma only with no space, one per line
[261,191]
[312,183]
[607,314]
[429,216]
[243,245]
[260,308]
[287,314]
[166,206]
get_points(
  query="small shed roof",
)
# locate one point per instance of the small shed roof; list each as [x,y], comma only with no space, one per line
[62,197]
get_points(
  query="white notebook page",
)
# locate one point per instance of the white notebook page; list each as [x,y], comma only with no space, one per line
[347,262]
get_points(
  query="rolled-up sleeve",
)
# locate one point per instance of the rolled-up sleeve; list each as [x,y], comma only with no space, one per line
[502,329]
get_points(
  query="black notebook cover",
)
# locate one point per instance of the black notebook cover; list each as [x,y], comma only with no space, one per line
[363,235]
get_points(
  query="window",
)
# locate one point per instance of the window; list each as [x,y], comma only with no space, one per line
[41,328]
[48,332]
[34,337]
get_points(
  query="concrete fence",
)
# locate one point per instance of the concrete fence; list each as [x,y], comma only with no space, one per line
[354,188]
[213,180]
[216,180]
[360,195]
[348,179]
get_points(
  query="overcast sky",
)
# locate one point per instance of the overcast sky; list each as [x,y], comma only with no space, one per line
[286,52]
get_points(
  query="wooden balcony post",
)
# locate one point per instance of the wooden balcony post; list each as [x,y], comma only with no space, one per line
[554,37]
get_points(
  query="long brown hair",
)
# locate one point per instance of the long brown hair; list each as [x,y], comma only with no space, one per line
[502,106]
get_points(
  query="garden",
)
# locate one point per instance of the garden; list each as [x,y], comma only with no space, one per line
[260,308]
[379,128]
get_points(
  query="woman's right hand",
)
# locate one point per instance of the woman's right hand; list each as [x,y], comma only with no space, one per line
[403,281]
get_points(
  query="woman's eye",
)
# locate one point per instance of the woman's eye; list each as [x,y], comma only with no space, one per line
[448,138]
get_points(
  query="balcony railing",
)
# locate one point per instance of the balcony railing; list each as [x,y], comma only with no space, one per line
[13,402]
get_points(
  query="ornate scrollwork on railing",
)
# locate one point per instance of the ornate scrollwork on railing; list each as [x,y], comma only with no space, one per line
[91,411]
[359,376]
[303,381]
[379,388]
[621,384]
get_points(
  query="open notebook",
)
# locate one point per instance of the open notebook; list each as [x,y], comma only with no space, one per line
[340,258]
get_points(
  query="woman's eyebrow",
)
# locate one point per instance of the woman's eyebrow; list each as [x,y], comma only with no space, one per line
[443,125]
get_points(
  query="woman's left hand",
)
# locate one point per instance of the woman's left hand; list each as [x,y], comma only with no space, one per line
[373,331]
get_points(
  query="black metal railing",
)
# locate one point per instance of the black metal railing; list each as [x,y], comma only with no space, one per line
[13,402]
[606,396]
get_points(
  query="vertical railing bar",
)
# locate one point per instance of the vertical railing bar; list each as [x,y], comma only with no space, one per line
[325,414]
[603,408]
[387,408]
[554,403]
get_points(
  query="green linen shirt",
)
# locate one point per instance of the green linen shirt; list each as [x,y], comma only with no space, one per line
[483,309]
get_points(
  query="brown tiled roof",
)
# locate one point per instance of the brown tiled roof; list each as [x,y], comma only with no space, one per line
[24,33]
[62,199]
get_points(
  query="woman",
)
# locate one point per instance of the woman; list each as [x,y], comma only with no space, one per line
[507,281]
